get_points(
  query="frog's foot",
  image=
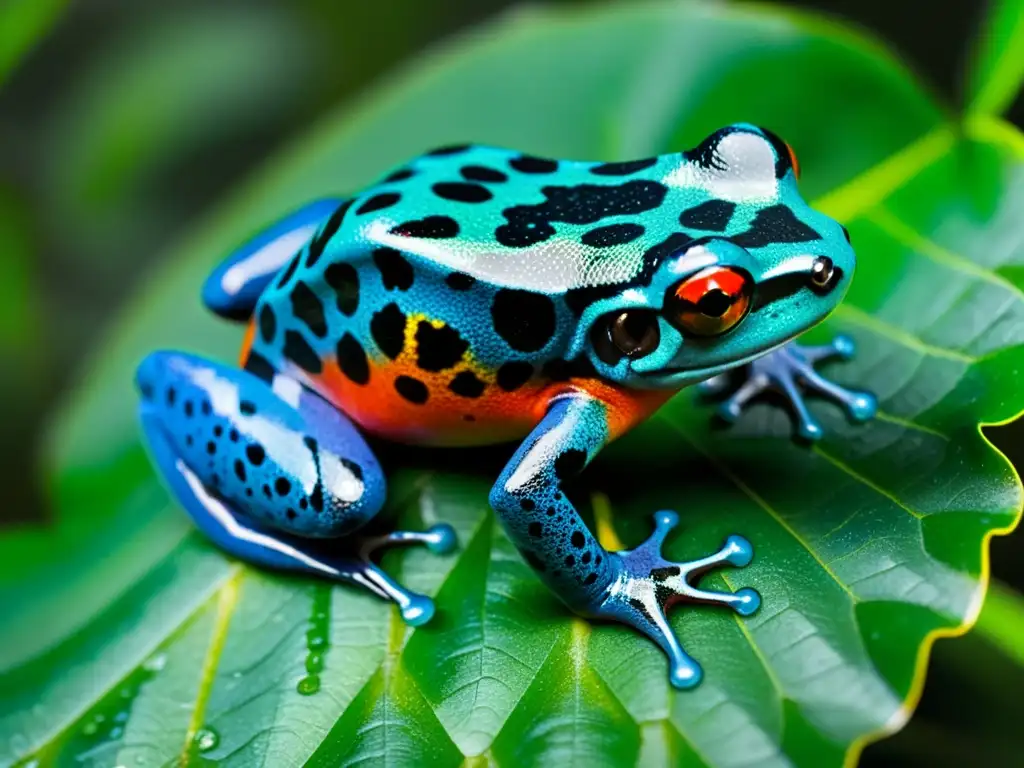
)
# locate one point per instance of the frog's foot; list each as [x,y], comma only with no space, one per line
[646,585]
[790,372]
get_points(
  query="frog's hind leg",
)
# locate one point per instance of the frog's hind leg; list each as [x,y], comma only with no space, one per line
[234,287]
[272,473]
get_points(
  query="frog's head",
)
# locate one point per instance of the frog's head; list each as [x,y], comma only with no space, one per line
[730,287]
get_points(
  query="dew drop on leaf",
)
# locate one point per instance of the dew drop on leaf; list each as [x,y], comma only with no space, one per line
[308,685]
[206,739]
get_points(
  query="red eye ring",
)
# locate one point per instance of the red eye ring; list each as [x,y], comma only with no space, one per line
[710,302]
[793,160]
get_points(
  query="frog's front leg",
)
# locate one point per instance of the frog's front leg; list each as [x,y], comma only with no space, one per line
[272,473]
[634,587]
[789,371]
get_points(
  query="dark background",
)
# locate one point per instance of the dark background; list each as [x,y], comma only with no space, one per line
[101,184]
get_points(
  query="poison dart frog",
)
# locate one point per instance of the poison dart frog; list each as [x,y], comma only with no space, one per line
[479,295]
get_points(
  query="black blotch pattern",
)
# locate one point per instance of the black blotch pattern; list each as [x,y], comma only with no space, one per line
[344,281]
[525,320]
[400,175]
[326,232]
[590,579]
[462,192]
[454,149]
[246,407]
[308,309]
[172,394]
[459,281]
[211,447]
[431,227]
[586,558]
[297,349]
[413,390]
[483,173]
[218,431]
[513,374]
[255,454]
[352,359]
[466,384]
[354,468]
[535,529]
[623,168]
[290,513]
[240,470]
[289,270]
[570,463]
[233,435]
[260,367]
[775,224]
[438,348]
[582,204]
[379,202]
[613,234]
[578,299]
[705,154]
[267,492]
[528,504]
[387,327]
[206,408]
[577,539]
[189,409]
[268,323]
[712,215]
[530,164]
[560,369]
[395,271]
[283,486]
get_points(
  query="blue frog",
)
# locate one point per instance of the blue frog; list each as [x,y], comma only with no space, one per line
[479,295]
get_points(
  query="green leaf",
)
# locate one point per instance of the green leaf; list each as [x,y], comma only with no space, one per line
[997,71]
[869,545]
[22,24]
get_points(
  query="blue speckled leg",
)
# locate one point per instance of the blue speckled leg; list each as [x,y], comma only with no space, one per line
[272,474]
[634,587]
[788,371]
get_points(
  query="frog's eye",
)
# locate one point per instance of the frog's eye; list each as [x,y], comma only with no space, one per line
[710,302]
[632,333]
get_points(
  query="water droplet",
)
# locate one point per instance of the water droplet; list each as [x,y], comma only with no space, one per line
[155,663]
[116,733]
[206,739]
[90,729]
[316,642]
[308,685]
[121,717]
[314,663]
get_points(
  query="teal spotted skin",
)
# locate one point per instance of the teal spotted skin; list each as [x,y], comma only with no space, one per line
[479,295]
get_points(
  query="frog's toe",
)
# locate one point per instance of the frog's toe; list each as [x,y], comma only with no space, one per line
[648,585]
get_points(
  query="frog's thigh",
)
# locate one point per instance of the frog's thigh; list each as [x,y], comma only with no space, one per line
[277,454]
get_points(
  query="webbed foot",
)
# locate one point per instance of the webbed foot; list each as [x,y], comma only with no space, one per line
[789,371]
[647,584]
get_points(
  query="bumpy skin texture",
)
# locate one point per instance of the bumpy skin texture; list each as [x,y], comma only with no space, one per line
[478,295]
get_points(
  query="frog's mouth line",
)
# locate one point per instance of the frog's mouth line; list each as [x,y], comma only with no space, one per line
[707,373]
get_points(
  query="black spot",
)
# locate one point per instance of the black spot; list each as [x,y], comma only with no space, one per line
[624,168]
[268,323]
[459,281]
[308,309]
[578,539]
[352,359]
[206,408]
[267,492]
[535,561]
[483,173]
[354,468]
[528,504]
[712,216]
[260,367]
[211,447]
[454,149]
[590,579]
[525,320]
[559,369]
[326,232]
[661,574]
[431,227]
[218,431]
[240,469]
[570,561]
[316,498]
[297,349]
[468,417]
[188,440]
[289,271]
[233,435]
[512,375]
[776,224]
[586,558]
[388,330]
[379,202]
[597,560]
[582,204]
[578,299]
[438,348]
[248,491]
[290,513]
[395,271]
[529,164]
[172,395]
[303,503]
[255,454]
[344,281]
[570,463]
[400,175]
[461,192]
[282,486]
[536,529]
[310,442]
[613,234]
[550,512]
[246,407]
[466,384]
[413,390]
[189,409]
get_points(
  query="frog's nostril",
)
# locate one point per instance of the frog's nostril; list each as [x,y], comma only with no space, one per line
[824,274]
